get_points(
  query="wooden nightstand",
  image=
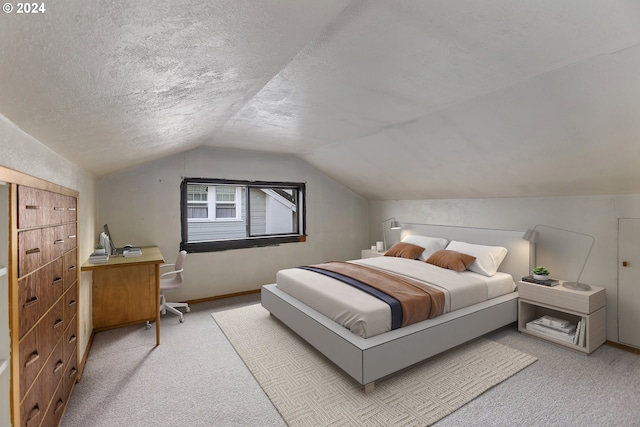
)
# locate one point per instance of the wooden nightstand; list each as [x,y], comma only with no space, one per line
[587,306]
[370,253]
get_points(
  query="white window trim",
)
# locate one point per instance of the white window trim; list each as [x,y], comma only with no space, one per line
[211,206]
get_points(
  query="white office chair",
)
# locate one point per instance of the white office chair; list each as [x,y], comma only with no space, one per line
[172,280]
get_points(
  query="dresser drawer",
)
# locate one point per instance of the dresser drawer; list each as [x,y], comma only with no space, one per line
[30,300]
[57,404]
[71,209]
[31,251]
[58,208]
[31,207]
[33,408]
[70,304]
[70,339]
[70,268]
[51,375]
[70,235]
[53,283]
[70,374]
[55,241]
[31,359]
[51,328]
[37,292]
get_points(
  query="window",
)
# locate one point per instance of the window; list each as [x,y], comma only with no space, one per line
[213,203]
[222,214]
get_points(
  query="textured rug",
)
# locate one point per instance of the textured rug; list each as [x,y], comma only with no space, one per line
[309,390]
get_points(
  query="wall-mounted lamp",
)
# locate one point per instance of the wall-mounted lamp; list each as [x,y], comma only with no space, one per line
[395,225]
[532,236]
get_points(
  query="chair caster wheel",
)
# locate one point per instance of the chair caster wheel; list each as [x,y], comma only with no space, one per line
[182,320]
[188,309]
[147,326]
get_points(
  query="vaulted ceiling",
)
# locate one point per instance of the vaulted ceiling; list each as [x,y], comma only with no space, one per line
[413,99]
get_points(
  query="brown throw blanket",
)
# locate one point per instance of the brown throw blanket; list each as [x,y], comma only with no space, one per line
[418,300]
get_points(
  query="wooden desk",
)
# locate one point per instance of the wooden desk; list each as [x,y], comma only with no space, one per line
[126,290]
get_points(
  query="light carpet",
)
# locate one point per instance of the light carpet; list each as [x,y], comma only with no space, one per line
[309,390]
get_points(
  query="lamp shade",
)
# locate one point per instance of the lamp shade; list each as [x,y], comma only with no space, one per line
[394,225]
[531,236]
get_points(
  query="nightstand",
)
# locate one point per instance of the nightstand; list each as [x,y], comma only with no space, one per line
[587,306]
[370,253]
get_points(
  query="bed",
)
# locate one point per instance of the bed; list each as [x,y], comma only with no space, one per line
[370,359]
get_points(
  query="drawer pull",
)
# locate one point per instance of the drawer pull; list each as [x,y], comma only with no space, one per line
[72,339]
[71,236]
[73,267]
[32,207]
[56,280]
[30,302]
[32,251]
[58,208]
[58,242]
[34,413]
[32,358]
[72,303]
[71,209]
[73,372]
[58,323]
[59,405]
[59,366]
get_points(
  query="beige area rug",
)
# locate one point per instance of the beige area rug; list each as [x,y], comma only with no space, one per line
[309,390]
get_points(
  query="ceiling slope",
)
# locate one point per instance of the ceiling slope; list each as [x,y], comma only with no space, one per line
[395,99]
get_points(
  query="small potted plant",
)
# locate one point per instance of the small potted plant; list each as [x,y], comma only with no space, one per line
[540,273]
[99,249]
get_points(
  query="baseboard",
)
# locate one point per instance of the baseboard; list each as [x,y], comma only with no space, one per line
[236,294]
[623,347]
[85,356]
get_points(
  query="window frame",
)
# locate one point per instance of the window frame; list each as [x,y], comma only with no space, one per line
[246,242]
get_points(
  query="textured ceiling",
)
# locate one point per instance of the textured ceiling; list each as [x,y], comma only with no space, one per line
[395,99]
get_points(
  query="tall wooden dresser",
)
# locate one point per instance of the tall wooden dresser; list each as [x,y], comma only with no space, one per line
[43,304]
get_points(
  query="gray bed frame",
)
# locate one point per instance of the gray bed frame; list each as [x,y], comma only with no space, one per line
[368,360]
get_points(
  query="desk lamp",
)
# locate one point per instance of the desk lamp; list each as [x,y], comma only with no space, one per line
[395,225]
[532,236]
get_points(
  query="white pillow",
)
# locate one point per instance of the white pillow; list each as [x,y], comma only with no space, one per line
[430,244]
[488,258]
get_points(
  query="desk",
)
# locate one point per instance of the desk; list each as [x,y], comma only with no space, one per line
[126,290]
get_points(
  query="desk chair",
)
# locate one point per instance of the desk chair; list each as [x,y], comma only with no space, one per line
[172,280]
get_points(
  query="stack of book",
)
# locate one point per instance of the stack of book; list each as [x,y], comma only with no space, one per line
[548,282]
[132,252]
[553,327]
[578,339]
[99,257]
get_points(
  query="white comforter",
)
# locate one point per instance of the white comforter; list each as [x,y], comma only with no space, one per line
[365,315]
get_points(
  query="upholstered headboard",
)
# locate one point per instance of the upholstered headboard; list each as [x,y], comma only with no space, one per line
[515,263]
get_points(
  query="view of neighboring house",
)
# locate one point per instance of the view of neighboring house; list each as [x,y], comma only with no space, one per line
[219,212]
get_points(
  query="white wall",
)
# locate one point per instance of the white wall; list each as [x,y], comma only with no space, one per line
[594,215]
[23,153]
[142,207]
[5,342]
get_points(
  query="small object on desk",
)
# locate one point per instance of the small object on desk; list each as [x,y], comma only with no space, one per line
[98,257]
[131,252]
[548,282]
